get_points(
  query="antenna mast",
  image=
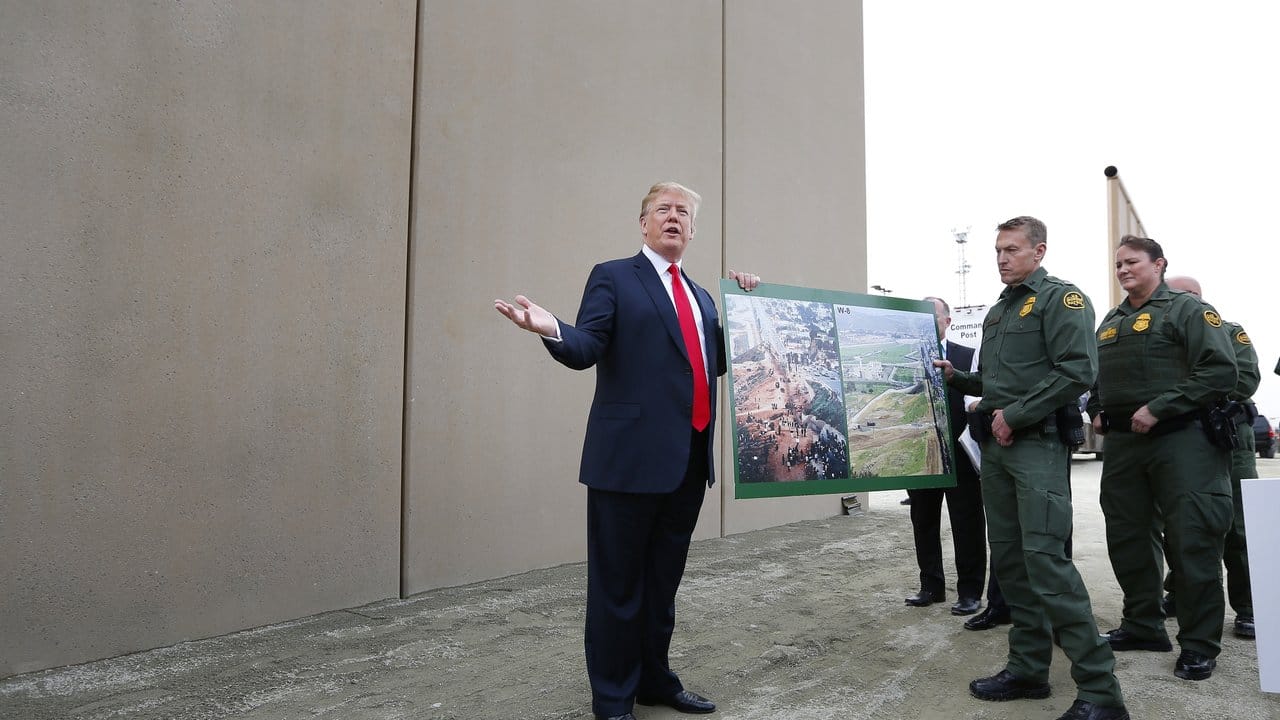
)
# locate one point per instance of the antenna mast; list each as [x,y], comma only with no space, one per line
[962,238]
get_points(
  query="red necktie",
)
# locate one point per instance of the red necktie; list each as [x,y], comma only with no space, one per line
[693,346]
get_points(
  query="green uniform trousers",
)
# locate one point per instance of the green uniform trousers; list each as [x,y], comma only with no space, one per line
[1182,479]
[1235,551]
[1027,494]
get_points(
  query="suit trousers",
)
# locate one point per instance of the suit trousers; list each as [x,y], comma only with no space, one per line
[968,533]
[637,544]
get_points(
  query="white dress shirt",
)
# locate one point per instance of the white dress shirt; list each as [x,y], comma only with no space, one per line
[661,266]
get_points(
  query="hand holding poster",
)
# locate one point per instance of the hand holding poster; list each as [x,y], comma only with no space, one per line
[834,392]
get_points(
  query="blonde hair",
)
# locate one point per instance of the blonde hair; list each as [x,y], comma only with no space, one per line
[658,188]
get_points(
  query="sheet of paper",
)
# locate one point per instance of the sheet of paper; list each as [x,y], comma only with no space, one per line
[972,449]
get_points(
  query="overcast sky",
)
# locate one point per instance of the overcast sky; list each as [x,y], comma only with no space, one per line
[978,112]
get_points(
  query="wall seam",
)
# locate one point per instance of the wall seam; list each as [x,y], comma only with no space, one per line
[724,227]
[407,386]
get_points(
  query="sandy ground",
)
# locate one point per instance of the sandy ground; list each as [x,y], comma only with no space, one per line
[799,622]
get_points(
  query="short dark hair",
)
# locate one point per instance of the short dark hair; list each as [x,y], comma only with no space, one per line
[1148,246]
[1034,230]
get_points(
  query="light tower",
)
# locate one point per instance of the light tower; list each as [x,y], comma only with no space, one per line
[962,238]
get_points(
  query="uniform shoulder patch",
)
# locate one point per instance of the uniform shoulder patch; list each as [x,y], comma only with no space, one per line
[1242,337]
[1073,300]
[1212,318]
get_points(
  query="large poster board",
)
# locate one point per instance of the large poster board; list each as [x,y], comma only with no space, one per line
[1261,497]
[833,392]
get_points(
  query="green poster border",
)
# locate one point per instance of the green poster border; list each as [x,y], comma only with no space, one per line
[829,485]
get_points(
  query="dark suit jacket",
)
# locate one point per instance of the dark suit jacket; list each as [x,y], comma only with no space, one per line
[962,358]
[640,422]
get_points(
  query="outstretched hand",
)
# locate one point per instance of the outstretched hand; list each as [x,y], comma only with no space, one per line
[524,313]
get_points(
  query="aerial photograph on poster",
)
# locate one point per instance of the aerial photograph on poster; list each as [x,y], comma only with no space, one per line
[896,407]
[833,392]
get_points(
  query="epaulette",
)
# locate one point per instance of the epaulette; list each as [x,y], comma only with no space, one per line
[1060,282]
[1199,300]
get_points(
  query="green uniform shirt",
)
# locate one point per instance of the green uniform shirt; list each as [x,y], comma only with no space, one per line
[1250,376]
[1171,355]
[1038,352]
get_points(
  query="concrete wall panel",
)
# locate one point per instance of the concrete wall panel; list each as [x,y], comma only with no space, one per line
[203,269]
[202,248]
[540,127]
[795,191]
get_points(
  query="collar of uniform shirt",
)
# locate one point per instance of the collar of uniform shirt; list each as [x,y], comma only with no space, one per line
[1162,292]
[1031,283]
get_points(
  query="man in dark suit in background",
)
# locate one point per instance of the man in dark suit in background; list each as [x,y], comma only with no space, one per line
[647,459]
[964,505]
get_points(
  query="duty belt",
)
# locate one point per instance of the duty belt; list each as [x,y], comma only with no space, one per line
[980,425]
[1124,423]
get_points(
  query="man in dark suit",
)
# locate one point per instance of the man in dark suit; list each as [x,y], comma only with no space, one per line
[647,459]
[964,504]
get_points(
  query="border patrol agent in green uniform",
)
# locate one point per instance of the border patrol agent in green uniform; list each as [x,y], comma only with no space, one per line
[1164,362]
[1235,554]
[1037,358]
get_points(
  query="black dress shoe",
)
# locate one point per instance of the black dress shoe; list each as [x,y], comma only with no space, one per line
[988,619]
[1194,666]
[1085,710]
[923,598]
[1004,685]
[683,701]
[1121,640]
[627,716]
[1244,628]
[966,606]
[905,501]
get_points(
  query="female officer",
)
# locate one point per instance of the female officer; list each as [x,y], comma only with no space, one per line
[1163,363]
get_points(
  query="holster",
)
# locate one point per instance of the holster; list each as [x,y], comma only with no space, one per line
[1219,424]
[1070,425]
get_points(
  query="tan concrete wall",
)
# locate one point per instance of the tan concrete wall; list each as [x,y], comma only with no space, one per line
[540,126]
[202,251]
[795,189]
[203,268]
